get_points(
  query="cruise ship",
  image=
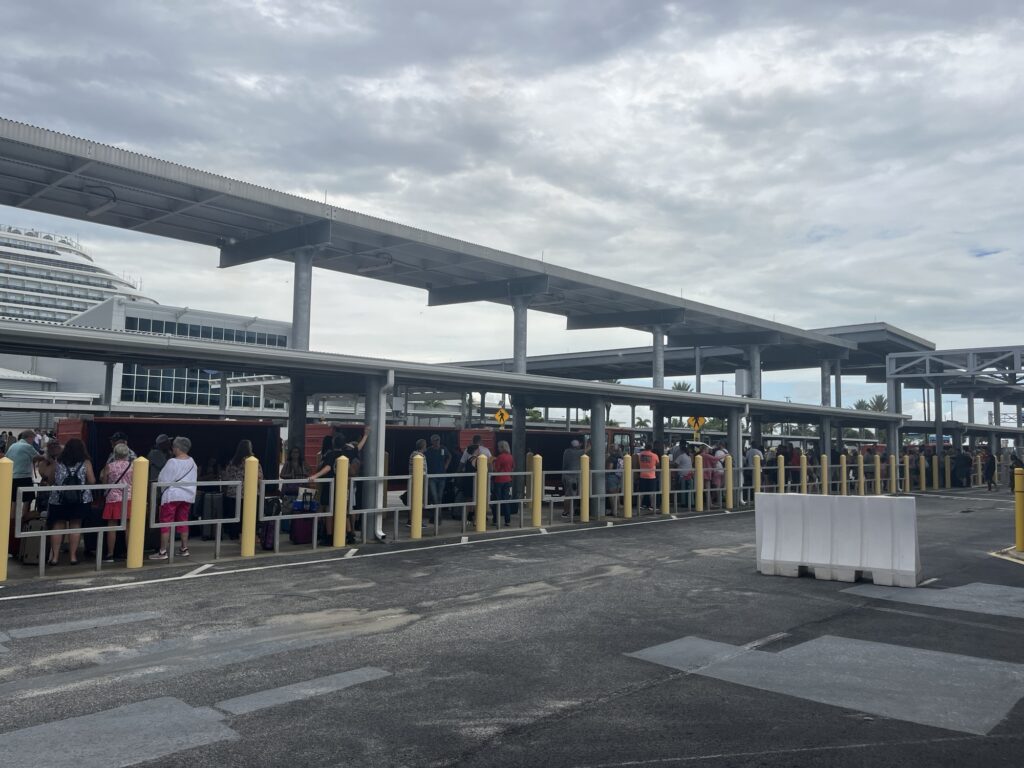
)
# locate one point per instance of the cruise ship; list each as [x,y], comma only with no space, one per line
[44,276]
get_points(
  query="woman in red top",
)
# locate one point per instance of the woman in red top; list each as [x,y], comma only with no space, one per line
[503,464]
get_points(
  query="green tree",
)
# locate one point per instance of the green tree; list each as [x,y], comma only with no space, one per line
[642,422]
[534,414]
[682,386]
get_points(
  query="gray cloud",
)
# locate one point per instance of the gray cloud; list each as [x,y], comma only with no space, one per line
[816,163]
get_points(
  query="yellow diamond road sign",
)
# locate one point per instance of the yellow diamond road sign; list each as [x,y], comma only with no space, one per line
[696,422]
[501,416]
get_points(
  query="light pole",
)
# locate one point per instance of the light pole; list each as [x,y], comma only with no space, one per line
[950,404]
[722,381]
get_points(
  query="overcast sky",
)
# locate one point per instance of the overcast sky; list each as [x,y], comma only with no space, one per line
[817,163]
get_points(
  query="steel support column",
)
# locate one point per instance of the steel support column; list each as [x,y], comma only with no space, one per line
[108,385]
[302,297]
[519,327]
[373,492]
[837,367]
[938,417]
[825,436]
[658,381]
[598,452]
[225,396]
[696,368]
[754,353]
[970,407]
[894,396]
[826,383]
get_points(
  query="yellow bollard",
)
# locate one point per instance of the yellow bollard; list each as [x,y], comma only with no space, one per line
[416,499]
[698,482]
[844,476]
[728,483]
[878,475]
[537,498]
[250,494]
[907,486]
[757,473]
[894,475]
[136,534]
[483,493]
[860,474]
[825,480]
[803,473]
[977,470]
[935,472]
[627,486]
[949,472]
[340,499]
[922,466]
[1018,507]
[781,462]
[666,484]
[584,488]
[6,484]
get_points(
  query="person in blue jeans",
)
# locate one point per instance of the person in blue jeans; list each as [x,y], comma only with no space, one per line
[437,459]
[501,466]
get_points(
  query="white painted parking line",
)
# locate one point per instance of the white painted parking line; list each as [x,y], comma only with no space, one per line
[926,582]
[351,553]
[991,599]
[77,626]
[943,690]
[286,694]
[326,560]
[760,642]
[199,570]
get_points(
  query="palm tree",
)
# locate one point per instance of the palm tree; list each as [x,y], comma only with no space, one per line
[642,422]
[878,403]
[682,386]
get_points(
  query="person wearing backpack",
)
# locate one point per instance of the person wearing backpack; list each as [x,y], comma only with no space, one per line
[69,504]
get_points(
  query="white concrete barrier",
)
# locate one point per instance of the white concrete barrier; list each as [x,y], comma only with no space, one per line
[838,537]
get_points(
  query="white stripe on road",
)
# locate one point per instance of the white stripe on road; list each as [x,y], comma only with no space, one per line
[286,694]
[199,570]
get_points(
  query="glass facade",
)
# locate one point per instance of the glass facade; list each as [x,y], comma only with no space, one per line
[189,386]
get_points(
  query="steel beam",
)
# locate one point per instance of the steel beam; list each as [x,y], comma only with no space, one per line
[642,319]
[275,244]
[491,290]
[683,339]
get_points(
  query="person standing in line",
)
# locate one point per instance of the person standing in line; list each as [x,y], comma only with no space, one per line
[570,475]
[159,454]
[437,460]
[176,500]
[68,505]
[24,455]
[613,483]
[647,461]
[479,450]
[115,472]
[503,465]
[988,468]
[235,472]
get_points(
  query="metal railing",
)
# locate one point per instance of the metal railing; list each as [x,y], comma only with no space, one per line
[45,533]
[320,511]
[156,492]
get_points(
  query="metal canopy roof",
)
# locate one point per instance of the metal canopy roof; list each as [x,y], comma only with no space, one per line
[870,343]
[58,174]
[985,372]
[335,373]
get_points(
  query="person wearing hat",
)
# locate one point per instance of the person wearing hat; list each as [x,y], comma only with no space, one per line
[159,454]
[115,439]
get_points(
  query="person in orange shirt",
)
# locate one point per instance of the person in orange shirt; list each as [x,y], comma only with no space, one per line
[648,460]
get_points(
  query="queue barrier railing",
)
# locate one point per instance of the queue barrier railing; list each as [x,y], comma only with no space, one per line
[45,533]
[156,490]
[362,487]
[460,481]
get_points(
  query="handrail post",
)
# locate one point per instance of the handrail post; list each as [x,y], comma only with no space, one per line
[137,514]
[1018,507]
[482,494]
[416,498]
[6,483]
[627,486]
[537,498]
[340,501]
[250,492]
[584,488]
[698,485]
[666,485]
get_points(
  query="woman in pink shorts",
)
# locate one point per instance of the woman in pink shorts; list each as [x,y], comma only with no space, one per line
[177,500]
[117,471]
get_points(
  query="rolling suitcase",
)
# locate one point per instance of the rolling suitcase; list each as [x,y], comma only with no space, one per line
[211,509]
[29,551]
[268,529]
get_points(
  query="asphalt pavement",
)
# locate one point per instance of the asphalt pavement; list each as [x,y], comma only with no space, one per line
[647,644]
